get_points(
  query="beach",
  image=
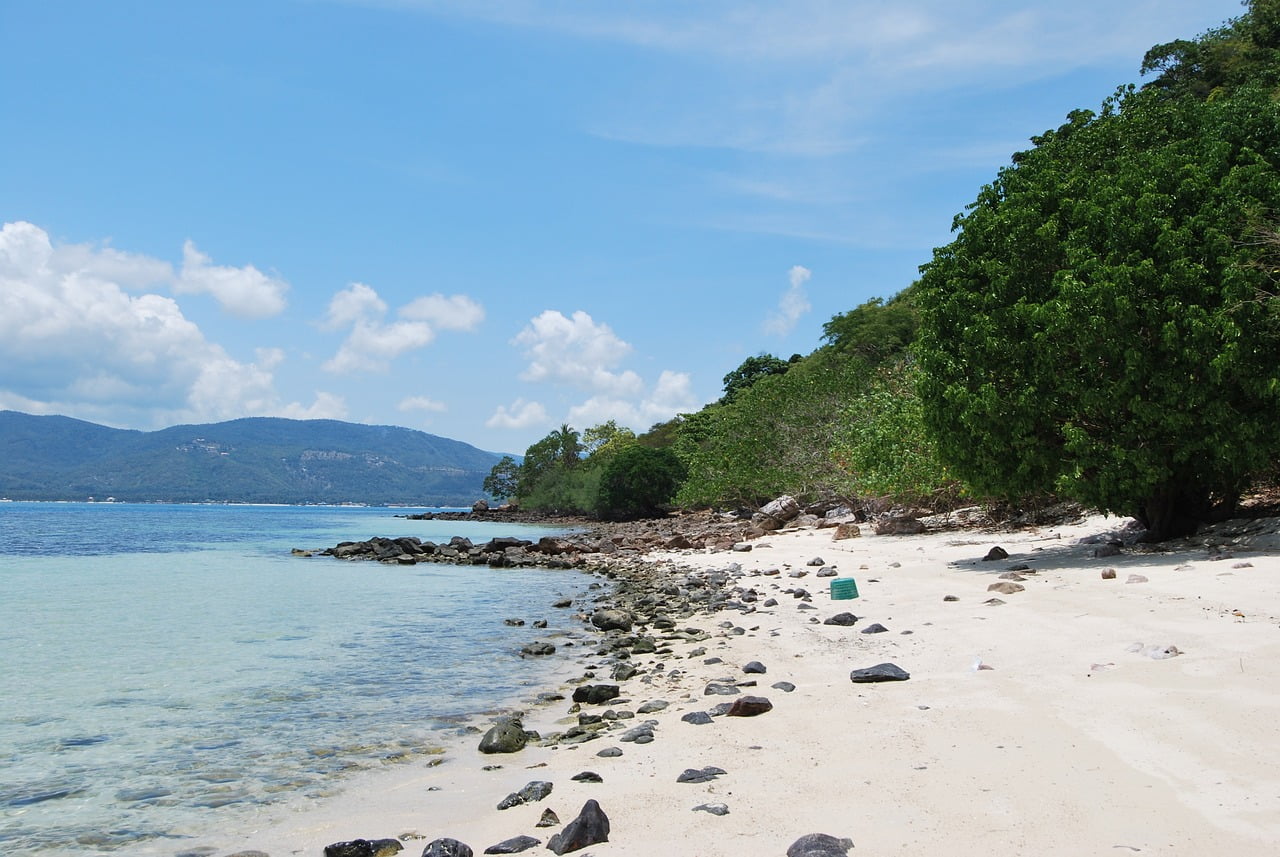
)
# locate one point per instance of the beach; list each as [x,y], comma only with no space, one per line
[1083,713]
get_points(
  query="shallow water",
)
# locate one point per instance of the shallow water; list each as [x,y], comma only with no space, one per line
[161,665]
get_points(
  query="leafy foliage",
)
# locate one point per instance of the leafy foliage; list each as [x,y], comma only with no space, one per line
[876,330]
[1098,328]
[638,481]
[503,480]
[750,371]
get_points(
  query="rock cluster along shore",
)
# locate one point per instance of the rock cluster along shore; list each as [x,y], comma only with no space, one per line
[655,612]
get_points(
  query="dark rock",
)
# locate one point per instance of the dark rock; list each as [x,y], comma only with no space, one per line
[716,689]
[697,718]
[591,827]
[875,628]
[447,848]
[641,734]
[514,623]
[651,706]
[364,848]
[996,553]
[950,598]
[819,845]
[563,602]
[540,623]
[549,819]
[535,791]
[721,710]
[879,672]
[538,648]
[898,526]
[1106,550]
[826,572]
[749,706]
[784,686]
[817,561]
[613,620]
[514,845]
[713,808]
[505,736]
[622,672]
[844,619]
[706,775]
[754,668]
[771,602]
[587,777]
[610,752]
[595,694]
[781,510]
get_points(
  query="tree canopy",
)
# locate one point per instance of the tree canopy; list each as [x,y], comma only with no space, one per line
[1099,326]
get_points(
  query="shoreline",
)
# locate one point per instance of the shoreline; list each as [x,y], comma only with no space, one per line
[1026,725]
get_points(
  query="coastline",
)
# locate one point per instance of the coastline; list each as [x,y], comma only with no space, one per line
[1026,726]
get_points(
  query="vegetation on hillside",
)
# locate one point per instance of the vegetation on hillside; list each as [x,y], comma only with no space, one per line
[1103,328]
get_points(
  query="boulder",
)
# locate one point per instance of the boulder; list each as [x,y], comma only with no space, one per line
[782,509]
[879,672]
[514,845]
[845,619]
[899,525]
[505,736]
[749,706]
[609,619]
[446,847]
[591,827]
[364,848]
[595,694]
[480,506]
[819,845]
[847,530]
[538,648]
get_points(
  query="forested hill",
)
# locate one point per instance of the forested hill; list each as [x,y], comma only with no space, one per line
[258,460]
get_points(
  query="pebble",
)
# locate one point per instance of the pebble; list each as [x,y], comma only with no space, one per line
[879,672]
[610,752]
[514,845]
[705,775]
[713,808]
[754,667]
[697,718]
[875,628]
[784,686]
[844,619]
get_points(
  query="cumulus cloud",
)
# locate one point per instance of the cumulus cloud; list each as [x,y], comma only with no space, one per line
[793,303]
[520,415]
[577,351]
[244,292]
[673,394]
[422,403]
[73,339]
[372,343]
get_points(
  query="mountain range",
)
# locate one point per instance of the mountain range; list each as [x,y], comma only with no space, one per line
[254,460]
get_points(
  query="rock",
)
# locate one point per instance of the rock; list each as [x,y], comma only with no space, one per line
[549,819]
[741,547]
[879,672]
[587,777]
[591,827]
[996,553]
[875,628]
[782,509]
[826,572]
[706,775]
[610,752]
[754,668]
[819,845]
[816,562]
[538,648]
[480,506]
[950,598]
[1102,551]
[364,848]
[642,734]
[1108,574]
[847,530]
[651,706]
[844,619]
[1006,587]
[697,718]
[1012,575]
[784,686]
[713,808]
[719,689]
[900,525]
[1136,578]
[613,620]
[505,736]
[563,602]
[447,848]
[514,845]
[595,694]
[749,706]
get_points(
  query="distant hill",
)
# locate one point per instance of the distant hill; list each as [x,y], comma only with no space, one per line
[257,460]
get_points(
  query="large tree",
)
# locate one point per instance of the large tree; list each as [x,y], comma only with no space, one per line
[1100,326]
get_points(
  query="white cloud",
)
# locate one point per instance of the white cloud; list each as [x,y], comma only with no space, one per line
[576,351]
[422,403]
[520,415]
[793,303]
[75,341]
[373,343]
[673,394]
[244,292]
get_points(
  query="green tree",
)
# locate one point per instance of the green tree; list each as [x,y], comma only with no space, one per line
[750,371]
[638,482]
[876,330]
[503,480]
[601,441]
[1099,327]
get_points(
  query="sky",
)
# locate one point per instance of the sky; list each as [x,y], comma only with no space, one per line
[487,218]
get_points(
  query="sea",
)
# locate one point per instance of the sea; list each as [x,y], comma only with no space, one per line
[164,667]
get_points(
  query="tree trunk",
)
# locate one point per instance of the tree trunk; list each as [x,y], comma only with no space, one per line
[1174,512]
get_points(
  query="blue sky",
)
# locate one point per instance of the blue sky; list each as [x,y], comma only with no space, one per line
[483,219]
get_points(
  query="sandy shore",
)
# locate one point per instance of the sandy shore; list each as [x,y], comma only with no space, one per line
[1066,742]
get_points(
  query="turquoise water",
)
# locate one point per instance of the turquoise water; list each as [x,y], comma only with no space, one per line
[162,666]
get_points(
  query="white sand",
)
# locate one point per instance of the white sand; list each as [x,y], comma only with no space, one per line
[1068,745]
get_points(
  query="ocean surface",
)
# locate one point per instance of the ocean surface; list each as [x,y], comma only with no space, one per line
[164,666]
